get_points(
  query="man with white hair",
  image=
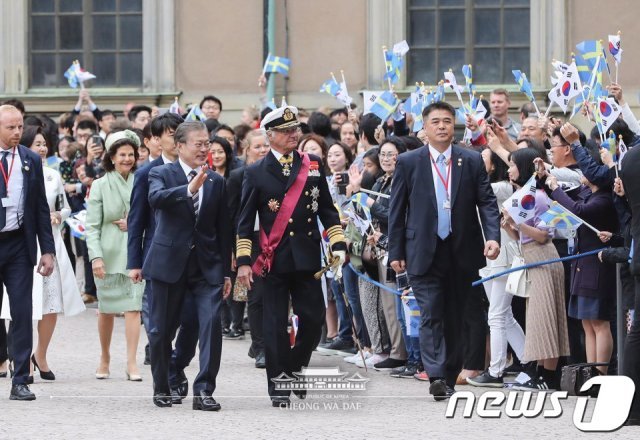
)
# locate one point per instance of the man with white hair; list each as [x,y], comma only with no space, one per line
[289,192]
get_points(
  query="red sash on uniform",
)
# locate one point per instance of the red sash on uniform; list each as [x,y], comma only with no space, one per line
[269,244]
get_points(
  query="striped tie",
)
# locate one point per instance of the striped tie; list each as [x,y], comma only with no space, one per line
[196,195]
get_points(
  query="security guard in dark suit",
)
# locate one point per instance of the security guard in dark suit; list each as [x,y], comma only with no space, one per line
[288,264]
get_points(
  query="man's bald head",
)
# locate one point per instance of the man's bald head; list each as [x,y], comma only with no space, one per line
[10,126]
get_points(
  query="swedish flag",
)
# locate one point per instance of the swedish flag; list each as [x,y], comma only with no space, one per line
[330,86]
[523,82]
[385,105]
[276,64]
[560,217]
[393,64]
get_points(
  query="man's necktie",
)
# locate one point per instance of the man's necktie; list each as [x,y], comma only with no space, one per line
[3,189]
[444,219]
[196,195]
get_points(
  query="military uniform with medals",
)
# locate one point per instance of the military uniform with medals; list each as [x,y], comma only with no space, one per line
[297,256]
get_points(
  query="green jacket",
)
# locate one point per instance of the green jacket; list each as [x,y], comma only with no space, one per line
[108,201]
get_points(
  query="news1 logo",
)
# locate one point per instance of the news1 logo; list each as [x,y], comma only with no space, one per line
[610,412]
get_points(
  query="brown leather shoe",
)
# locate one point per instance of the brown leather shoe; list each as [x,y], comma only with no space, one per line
[88,299]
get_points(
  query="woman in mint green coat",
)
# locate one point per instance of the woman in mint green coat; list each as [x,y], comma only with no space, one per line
[106,232]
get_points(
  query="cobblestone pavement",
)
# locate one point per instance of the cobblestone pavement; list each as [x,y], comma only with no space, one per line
[77,405]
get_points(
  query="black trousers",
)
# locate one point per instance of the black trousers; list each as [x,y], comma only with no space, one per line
[166,308]
[632,353]
[475,330]
[442,296]
[4,348]
[254,303]
[308,304]
[16,273]
[255,314]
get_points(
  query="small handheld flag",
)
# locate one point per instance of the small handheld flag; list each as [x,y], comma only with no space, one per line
[622,147]
[175,107]
[521,205]
[614,47]
[523,82]
[343,93]
[609,112]
[557,216]
[467,71]
[393,65]
[330,87]
[450,80]
[385,105]
[76,75]
[274,64]
[567,88]
[195,114]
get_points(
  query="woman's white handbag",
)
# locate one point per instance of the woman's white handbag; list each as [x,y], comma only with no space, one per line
[518,281]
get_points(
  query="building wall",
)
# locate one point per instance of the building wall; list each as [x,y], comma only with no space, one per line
[219,50]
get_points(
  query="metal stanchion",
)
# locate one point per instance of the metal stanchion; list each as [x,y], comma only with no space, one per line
[620,321]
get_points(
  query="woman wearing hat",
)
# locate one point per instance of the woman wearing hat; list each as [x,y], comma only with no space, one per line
[106,224]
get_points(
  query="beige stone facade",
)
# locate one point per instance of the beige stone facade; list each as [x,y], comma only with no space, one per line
[198,47]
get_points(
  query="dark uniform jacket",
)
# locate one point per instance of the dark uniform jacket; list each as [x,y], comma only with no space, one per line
[590,277]
[263,190]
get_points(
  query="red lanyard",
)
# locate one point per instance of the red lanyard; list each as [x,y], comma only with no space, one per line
[6,176]
[444,181]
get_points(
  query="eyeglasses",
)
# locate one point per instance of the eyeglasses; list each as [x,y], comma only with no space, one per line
[387,155]
[287,131]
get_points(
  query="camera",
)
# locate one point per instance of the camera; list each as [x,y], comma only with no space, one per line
[96,139]
[344,181]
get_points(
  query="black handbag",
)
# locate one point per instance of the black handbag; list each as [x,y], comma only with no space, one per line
[574,376]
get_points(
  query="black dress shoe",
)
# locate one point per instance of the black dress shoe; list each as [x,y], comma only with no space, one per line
[163,400]
[440,390]
[46,375]
[260,361]
[280,402]
[147,355]
[251,353]
[176,398]
[203,401]
[183,384]
[21,392]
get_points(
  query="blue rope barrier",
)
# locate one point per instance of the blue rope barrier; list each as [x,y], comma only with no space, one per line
[374,282]
[531,265]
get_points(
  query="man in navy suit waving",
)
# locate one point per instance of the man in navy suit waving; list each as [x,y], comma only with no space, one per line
[24,217]
[190,254]
[141,219]
[438,193]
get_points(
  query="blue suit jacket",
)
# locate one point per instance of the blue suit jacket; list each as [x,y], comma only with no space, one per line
[37,219]
[413,218]
[178,232]
[141,221]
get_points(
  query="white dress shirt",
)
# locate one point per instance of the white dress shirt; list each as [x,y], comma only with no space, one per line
[187,169]
[14,212]
[436,180]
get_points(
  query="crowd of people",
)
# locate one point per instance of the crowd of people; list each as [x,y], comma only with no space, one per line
[436,223]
